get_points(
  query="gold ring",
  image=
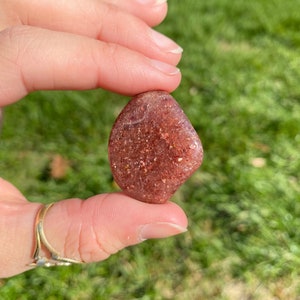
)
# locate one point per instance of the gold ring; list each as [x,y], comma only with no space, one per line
[53,259]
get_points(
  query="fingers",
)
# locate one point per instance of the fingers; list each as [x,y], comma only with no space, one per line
[71,14]
[39,59]
[94,229]
[101,21]
[88,231]
[133,59]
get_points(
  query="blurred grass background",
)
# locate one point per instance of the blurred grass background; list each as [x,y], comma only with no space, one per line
[241,91]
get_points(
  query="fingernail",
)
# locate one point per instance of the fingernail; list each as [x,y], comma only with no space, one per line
[152,2]
[164,67]
[160,230]
[159,2]
[165,43]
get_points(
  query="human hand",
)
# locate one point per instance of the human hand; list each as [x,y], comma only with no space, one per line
[82,45]
[76,44]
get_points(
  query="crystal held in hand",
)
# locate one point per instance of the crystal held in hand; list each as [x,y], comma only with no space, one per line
[153,148]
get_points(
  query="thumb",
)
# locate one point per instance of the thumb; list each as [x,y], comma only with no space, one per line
[87,231]
[93,229]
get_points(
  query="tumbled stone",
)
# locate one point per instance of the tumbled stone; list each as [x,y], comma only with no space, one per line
[153,148]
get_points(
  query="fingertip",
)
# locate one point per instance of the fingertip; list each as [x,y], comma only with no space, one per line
[157,75]
[137,212]
[152,12]
[160,10]
[176,215]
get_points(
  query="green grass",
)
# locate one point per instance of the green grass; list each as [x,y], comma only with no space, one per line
[241,90]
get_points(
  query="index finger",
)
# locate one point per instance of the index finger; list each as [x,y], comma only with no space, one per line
[38,59]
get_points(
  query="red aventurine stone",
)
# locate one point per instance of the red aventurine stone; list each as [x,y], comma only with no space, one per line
[153,148]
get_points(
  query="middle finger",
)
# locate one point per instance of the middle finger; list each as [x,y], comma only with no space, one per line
[101,21]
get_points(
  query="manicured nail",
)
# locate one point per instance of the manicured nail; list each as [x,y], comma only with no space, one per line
[152,2]
[164,67]
[165,43]
[160,230]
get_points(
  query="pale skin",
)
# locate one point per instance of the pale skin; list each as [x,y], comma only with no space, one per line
[48,45]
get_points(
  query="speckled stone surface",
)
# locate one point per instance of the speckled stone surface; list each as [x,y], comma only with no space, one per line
[153,148]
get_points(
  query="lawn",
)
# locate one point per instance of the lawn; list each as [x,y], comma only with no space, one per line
[241,91]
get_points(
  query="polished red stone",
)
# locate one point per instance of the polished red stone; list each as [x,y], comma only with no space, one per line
[153,148]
